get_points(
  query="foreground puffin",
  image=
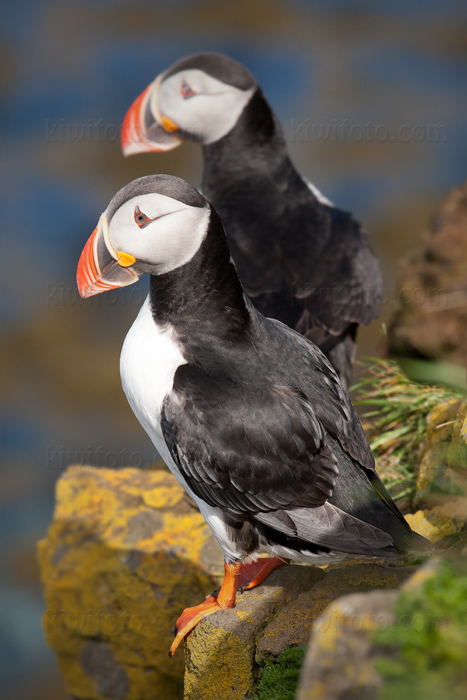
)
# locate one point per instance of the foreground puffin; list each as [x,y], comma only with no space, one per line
[248,415]
[300,259]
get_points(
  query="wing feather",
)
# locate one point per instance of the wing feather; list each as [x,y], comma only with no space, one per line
[279,459]
[329,526]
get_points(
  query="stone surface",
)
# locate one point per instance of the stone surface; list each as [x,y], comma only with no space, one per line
[431,317]
[224,651]
[220,651]
[125,553]
[293,624]
[339,663]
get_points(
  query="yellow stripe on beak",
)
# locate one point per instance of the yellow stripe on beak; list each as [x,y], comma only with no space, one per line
[168,124]
[125,259]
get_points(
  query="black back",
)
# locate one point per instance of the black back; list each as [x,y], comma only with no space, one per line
[300,261]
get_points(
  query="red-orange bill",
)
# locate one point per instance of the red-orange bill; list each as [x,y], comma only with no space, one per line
[98,271]
[141,133]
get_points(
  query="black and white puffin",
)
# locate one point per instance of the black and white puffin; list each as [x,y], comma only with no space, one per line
[249,415]
[300,259]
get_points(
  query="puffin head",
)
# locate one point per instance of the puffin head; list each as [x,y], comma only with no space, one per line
[199,98]
[154,224]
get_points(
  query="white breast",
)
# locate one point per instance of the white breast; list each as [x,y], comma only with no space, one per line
[150,357]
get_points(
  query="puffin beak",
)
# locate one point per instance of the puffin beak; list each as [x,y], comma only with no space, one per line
[144,128]
[100,267]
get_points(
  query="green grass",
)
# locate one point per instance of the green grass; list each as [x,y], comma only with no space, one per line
[279,678]
[396,425]
[426,648]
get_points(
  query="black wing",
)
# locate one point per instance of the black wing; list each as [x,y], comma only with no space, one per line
[247,451]
[251,447]
[294,461]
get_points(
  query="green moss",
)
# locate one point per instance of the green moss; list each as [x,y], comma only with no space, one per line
[426,648]
[279,678]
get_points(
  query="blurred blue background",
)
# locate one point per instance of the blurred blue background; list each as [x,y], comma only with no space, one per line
[372,98]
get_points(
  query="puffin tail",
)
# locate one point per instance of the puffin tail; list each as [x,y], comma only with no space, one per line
[417,544]
[406,540]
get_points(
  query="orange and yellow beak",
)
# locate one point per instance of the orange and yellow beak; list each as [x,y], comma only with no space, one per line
[142,132]
[100,267]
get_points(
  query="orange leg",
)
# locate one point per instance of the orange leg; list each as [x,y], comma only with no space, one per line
[245,576]
[225,599]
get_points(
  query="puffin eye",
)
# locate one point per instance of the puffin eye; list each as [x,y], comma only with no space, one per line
[140,217]
[186,90]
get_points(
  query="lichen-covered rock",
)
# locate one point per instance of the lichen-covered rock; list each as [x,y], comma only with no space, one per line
[441,488]
[125,553]
[293,624]
[224,652]
[220,652]
[340,658]
[433,524]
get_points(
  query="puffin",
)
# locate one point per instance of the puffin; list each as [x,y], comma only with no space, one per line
[250,416]
[300,259]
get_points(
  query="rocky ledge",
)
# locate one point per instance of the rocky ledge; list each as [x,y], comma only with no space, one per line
[127,551]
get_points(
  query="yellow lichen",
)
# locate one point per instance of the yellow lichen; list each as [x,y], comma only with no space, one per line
[431,525]
[119,570]
[203,679]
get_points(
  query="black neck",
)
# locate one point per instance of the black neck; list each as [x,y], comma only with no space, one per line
[254,148]
[203,298]
[256,135]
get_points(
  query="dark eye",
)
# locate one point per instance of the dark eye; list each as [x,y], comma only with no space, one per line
[186,90]
[140,217]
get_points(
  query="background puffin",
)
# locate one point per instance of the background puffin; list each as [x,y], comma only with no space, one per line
[249,416]
[300,259]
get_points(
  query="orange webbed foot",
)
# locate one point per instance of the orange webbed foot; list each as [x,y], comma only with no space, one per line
[190,618]
[255,573]
[246,576]
[224,599]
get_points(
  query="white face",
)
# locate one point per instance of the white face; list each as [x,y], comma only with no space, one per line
[199,104]
[158,230]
